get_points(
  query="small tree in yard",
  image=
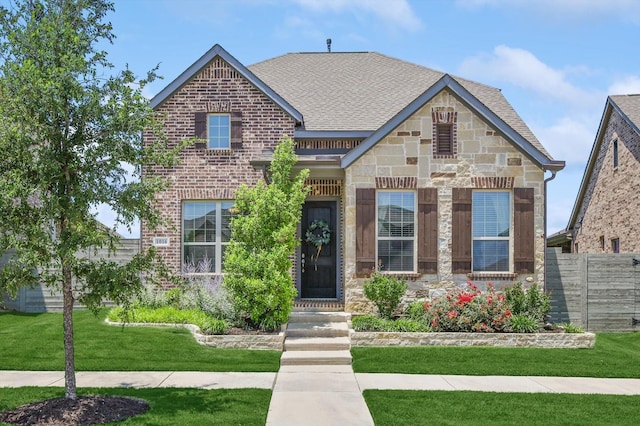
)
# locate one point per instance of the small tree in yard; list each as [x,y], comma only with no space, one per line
[263,239]
[67,132]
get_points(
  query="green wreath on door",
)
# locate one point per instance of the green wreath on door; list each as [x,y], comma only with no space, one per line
[318,234]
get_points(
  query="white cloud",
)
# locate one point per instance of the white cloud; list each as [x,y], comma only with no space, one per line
[523,69]
[396,13]
[568,139]
[566,10]
[625,86]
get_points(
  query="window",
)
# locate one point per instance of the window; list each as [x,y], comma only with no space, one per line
[615,153]
[205,234]
[396,231]
[615,245]
[602,242]
[444,139]
[491,223]
[218,131]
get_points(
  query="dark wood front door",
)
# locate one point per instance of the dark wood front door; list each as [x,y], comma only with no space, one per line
[318,267]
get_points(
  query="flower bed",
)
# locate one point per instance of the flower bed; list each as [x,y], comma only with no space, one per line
[273,341]
[533,340]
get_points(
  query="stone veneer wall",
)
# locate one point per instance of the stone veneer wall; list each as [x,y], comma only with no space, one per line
[611,201]
[407,152]
[212,174]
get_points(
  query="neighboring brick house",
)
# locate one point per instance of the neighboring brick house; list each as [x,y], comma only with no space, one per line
[429,176]
[605,217]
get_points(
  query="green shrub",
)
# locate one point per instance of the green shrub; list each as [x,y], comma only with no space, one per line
[263,238]
[532,302]
[572,328]
[524,324]
[214,326]
[406,325]
[367,323]
[385,291]
[416,311]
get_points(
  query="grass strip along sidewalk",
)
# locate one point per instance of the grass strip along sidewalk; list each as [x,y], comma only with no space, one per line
[168,406]
[34,342]
[395,407]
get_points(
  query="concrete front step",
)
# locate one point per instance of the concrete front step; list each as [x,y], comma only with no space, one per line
[341,343]
[316,358]
[296,317]
[317,329]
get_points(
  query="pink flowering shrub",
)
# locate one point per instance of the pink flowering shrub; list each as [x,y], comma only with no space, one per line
[469,310]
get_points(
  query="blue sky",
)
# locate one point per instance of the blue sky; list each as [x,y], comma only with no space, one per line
[555,60]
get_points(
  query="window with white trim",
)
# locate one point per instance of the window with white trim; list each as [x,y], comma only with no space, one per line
[219,131]
[396,231]
[491,225]
[205,234]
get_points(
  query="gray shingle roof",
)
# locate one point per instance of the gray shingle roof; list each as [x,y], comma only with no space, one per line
[630,106]
[362,91]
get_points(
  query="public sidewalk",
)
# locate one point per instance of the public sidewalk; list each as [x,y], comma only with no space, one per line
[295,380]
[323,395]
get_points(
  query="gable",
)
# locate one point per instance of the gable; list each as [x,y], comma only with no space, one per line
[535,152]
[201,64]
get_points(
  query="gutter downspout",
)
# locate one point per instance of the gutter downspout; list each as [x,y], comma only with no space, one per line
[549,179]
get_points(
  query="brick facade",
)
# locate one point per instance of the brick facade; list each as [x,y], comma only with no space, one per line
[609,208]
[205,174]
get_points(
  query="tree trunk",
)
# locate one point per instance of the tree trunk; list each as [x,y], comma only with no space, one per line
[69,361]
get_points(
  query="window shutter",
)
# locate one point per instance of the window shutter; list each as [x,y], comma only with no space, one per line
[427,230]
[444,139]
[524,230]
[236,129]
[461,231]
[200,129]
[365,231]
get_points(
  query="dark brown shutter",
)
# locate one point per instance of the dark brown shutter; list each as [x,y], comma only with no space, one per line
[524,231]
[427,230]
[200,129]
[236,129]
[365,231]
[461,230]
[444,139]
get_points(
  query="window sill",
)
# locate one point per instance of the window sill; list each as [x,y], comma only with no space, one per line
[492,276]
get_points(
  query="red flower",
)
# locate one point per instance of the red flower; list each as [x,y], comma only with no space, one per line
[507,313]
[452,314]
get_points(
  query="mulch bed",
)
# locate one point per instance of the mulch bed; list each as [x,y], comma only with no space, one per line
[85,410]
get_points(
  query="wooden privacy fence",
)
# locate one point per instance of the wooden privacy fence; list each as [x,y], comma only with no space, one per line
[599,292]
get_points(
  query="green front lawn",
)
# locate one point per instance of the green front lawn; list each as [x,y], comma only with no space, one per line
[614,355]
[34,342]
[168,406]
[391,407]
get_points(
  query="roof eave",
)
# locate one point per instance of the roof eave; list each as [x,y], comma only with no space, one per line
[205,59]
[332,134]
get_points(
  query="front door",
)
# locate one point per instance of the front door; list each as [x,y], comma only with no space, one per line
[319,250]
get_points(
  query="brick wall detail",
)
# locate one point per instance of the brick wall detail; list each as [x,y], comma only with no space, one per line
[212,174]
[611,201]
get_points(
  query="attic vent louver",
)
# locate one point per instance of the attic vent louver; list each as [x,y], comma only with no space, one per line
[329,45]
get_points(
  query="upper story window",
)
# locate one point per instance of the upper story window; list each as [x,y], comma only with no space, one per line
[396,231]
[219,131]
[491,236]
[615,245]
[615,153]
[205,234]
